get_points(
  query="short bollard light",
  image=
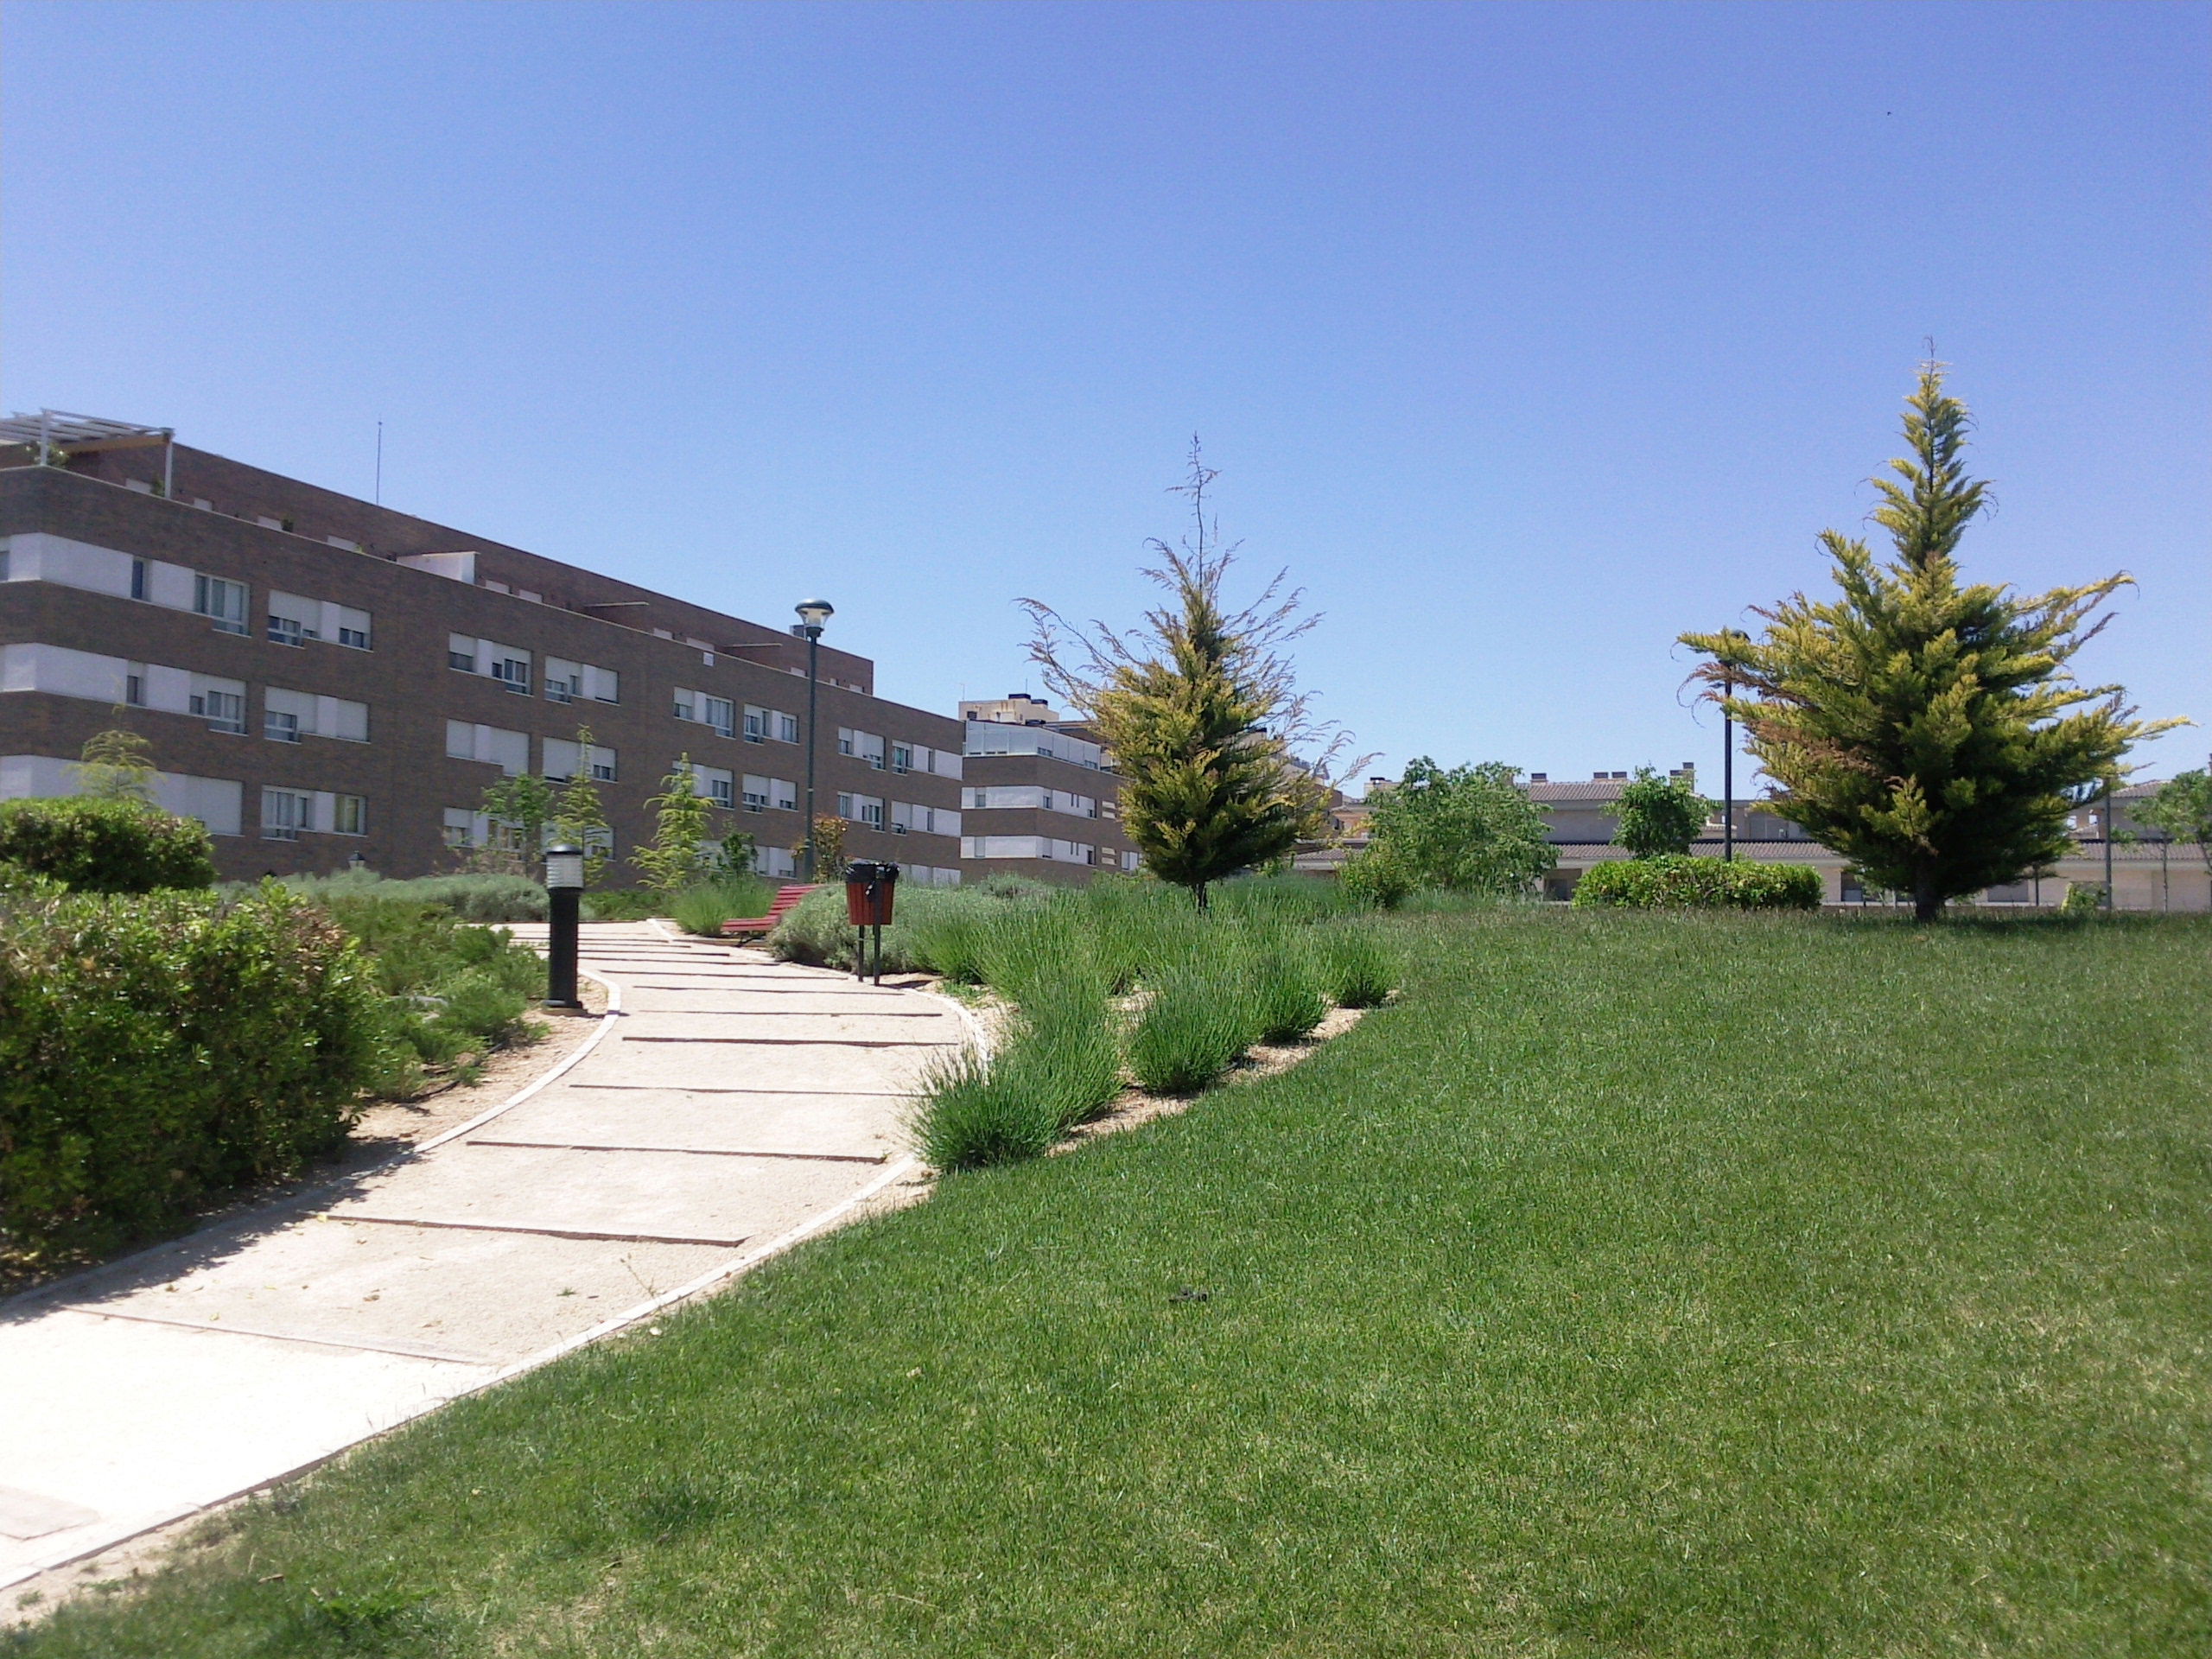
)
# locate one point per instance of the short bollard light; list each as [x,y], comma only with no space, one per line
[564,892]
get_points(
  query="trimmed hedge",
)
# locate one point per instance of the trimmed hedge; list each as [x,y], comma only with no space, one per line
[99,846]
[1700,883]
[156,1052]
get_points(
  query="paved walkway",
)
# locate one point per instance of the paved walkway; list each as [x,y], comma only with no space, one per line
[728,1104]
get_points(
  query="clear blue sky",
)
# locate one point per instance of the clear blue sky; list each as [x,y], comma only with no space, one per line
[1525,337]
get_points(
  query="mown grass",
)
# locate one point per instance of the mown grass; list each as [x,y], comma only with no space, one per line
[1638,1284]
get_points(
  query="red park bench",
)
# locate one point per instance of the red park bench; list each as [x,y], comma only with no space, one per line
[742,926]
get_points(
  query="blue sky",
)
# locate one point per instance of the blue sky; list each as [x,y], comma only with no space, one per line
[1524,337]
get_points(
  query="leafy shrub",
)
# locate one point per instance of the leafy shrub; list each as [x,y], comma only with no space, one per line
[2082,898]
[702,909]
[1192,1031]
[1357,969]
[1375,877]
[158,1051]
[472,898]
[106,846]
[1702,883]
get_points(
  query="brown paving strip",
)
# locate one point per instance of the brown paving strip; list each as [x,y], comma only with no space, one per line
[687,1088]
[701,1152]
[543,1232]
[811,1042]
[794,1013]
[408,1350]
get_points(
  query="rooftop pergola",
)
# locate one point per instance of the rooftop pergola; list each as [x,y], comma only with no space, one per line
[57,429]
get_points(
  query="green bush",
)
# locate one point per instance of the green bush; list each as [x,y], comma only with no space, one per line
[451,989]
[1196,1024]
[156,1052]
[704,909]
[1357,969]
[1700,883]
[2082,898]
[106,846]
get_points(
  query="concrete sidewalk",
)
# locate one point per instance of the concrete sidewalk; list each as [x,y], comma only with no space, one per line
[728,1104]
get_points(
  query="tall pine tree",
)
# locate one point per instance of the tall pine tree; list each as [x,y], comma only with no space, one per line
[1927,730]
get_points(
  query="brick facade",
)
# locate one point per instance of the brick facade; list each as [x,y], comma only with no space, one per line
[655,645]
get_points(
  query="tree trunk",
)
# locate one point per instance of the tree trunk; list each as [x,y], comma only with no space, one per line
[1927,897]
[1199,897]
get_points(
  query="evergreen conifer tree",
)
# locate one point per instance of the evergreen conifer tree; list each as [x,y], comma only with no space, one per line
[1200,709]
[1927,730]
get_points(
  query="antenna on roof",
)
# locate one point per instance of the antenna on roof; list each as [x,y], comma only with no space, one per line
[379,496]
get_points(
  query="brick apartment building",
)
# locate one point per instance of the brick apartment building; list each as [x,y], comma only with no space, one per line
[1040,797]
[320,678]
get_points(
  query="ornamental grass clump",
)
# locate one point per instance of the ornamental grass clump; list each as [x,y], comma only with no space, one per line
[703,908]
[1283,991]
[1198,1022]
[1357,969]
[975,1113]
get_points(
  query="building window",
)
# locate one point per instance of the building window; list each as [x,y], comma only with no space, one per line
[284,813]
[719,792]
[349,814]
[756,725]
[756,794]
[223,711]
[134,686]
[513,672]
[138,578]
[871,812]
[282,727]
[902,757]
[222,602]
[287,631]
[720,713]
[602,771]
[460,653]
[845,740]
[782,794]
[845,808]
[356,638]
[786,727]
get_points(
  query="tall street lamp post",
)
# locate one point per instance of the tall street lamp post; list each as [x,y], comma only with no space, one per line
[812,614]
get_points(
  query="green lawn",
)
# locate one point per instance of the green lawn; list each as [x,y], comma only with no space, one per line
[1640,1284]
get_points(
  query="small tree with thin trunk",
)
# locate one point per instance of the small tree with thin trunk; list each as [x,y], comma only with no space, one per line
[680,820]
[1659,816]
[118,765]
[578,818]
[2181,807]
[1926,730]
[522,805]
[1200,708]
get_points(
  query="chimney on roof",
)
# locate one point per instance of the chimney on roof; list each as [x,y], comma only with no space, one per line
[1540,778]
[1600,776]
